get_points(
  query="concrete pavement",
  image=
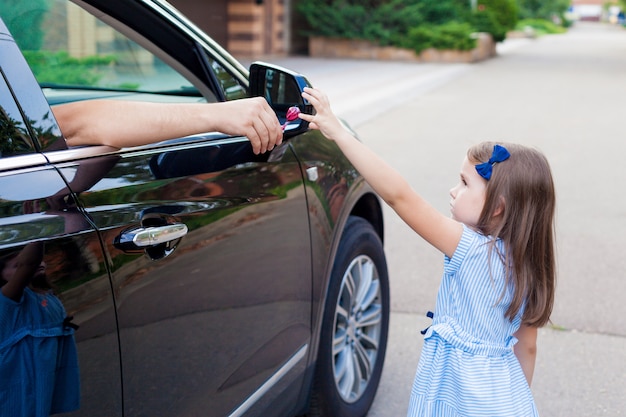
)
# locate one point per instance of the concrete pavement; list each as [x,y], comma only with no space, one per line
[361,90]
[565,94]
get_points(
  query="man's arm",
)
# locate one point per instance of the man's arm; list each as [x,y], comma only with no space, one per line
[133,123]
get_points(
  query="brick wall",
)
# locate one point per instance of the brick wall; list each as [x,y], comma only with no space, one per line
[256,28]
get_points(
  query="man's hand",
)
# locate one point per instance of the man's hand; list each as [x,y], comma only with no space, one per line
[253,118]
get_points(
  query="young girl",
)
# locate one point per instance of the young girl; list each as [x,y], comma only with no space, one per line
[499,271]
[38,359]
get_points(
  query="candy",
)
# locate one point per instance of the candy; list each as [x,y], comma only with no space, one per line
[292,114]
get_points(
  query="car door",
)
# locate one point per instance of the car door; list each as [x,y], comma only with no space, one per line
[215,320]
[214,316]
[207,320]
[38,208]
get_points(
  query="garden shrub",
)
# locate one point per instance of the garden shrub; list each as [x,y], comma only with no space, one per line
[451,35]
[542,9]
[334,19]
[408,22]
[541,26]
[60,68]
[486,21]
[504,12]
[437,12]
[392,20]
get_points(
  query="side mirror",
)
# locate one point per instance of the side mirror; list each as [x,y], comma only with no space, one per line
[282,89]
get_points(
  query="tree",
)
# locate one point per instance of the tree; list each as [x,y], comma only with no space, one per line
[543,9]
[24,19]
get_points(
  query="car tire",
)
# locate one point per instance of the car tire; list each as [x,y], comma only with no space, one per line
[353,338]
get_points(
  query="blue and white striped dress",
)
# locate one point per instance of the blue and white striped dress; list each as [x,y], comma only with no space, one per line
[468,367]
[39,372]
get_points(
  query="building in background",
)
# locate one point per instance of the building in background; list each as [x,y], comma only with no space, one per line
[247,28]
[592,10]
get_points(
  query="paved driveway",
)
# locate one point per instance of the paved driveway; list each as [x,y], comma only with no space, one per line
[565,94]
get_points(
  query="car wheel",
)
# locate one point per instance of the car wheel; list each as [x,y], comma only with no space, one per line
[353,338]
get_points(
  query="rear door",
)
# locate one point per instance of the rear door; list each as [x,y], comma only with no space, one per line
[37,208]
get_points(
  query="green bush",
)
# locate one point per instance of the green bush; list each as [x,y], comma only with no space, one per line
[391,21]
[486,21]
[451,35]
[327,21]
[505,11]
[437,12]
[404,22]
[542,9]
[382,22]
[61,68]
[541,26]
[545,10]
[502,17]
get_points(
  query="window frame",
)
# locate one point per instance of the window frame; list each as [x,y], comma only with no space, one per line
[178,43]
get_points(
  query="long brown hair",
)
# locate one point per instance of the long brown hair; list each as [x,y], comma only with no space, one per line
[523,189]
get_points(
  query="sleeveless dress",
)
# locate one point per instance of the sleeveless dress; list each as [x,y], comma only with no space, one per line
[38,360]
[467,366]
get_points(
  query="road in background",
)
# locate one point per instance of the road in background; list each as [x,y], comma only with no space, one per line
[566,95]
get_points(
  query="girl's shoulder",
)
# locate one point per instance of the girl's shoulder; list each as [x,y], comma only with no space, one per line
[4,299]
[470,238]
[474,239]
[473,243]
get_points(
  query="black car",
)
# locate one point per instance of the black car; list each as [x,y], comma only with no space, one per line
[198,278]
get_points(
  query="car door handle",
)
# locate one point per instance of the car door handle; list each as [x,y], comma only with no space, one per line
[144,237]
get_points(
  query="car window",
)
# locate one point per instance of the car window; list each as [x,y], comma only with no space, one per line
[14,137]
[69,49]
[231,87]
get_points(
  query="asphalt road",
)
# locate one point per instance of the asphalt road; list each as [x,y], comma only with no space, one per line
[566,95]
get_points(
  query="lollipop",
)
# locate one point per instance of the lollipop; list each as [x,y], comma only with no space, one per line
[292,114]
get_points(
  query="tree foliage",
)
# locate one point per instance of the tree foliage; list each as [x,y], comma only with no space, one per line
[394,22]
[450,35]
[60,68]
[542,9]
[24,20]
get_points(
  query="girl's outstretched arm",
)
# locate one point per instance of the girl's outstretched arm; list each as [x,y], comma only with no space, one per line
[526,350]
[23,270]
[440,231]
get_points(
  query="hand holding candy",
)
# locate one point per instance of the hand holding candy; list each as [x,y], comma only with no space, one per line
[292,114]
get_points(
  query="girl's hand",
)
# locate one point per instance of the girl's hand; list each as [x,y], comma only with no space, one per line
[325,120]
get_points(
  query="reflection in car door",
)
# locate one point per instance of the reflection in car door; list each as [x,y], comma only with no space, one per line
[213,316]
[76,271]
[37,207]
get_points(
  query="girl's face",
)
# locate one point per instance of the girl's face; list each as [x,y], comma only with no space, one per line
[10,267]
[468,196]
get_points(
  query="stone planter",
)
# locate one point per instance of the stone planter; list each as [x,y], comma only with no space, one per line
[321,47]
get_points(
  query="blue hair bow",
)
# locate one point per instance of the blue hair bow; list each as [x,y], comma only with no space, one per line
[499,154]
